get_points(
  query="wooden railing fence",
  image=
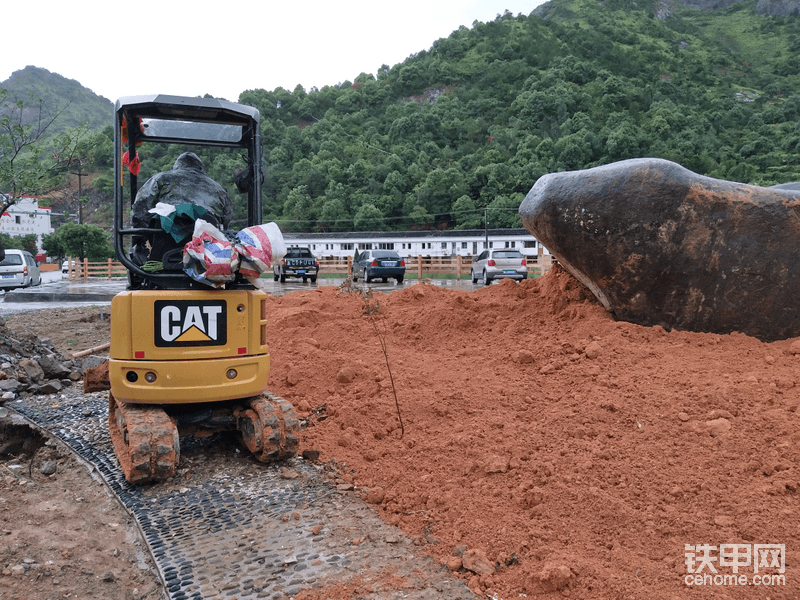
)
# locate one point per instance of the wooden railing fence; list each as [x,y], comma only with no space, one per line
[424,266]
[83,269]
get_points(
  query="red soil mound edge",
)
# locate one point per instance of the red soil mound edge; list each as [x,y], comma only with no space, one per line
[573,452]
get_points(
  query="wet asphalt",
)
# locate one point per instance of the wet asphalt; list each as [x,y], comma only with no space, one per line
[56,290]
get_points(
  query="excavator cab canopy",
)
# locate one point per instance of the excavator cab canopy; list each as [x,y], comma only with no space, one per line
[190,124]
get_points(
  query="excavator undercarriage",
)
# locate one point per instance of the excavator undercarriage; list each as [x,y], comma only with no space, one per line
[146,438]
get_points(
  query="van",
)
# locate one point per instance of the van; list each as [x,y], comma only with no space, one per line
[19,269]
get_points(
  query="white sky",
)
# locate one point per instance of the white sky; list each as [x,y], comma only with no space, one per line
[224,48]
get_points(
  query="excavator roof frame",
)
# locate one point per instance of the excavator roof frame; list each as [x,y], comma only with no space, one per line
[178,119]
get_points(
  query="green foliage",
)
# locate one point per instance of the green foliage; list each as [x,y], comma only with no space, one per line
[52,245]
[84,241]
[25,242]
[10,241]
[31,158]
[368,218]
[30,243]
[77,106]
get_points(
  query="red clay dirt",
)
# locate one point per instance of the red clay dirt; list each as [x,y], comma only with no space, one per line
[557,451]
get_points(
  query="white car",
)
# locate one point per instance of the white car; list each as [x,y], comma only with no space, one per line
[19,269]
[499,264]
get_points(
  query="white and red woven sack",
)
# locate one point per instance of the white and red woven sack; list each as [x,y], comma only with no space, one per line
[210,258]
[259,247]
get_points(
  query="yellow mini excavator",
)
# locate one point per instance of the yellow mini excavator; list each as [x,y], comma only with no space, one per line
[186,357]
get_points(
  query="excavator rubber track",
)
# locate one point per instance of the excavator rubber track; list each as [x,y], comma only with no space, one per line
[269,427]
[145,440]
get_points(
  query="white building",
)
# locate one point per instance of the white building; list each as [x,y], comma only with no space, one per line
[466,242]
[26,216]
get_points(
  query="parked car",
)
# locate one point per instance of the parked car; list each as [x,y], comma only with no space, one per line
[19,269]
[499,264]
[298,262]
[65,266]
[379,264]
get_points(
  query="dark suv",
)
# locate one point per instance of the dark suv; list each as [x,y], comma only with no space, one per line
[298,262]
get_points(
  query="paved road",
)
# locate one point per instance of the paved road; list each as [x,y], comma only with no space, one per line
[54,292]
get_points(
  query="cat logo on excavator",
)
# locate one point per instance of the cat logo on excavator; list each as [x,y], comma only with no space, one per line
[188,323]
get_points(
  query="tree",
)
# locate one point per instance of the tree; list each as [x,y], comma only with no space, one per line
[29,243]
[53,246]
[334,217]
[420,216]
[368,218]
[10,241]
[298,208]
[85,241]
[466,215]
[28,159]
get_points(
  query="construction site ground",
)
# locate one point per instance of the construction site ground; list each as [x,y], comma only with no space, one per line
[544,449]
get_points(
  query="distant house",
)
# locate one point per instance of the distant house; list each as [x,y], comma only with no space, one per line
[26,216]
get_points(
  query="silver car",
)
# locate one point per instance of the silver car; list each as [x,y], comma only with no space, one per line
[499,264]
[19,269]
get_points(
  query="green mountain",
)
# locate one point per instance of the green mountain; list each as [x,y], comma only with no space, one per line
[80,105]
[470,123]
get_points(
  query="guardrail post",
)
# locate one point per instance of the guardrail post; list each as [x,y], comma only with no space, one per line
[540,261]
[349,267]
[419,267]
[458,267]
[85,269]
[109,268]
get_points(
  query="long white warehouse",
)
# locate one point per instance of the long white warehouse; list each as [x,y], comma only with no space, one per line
[466,242]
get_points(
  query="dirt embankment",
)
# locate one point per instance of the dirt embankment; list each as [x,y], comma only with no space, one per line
[547,447]
[573,452]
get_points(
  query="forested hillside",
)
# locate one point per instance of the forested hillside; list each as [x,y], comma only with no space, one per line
[80,106]
[473,121]
[470,123]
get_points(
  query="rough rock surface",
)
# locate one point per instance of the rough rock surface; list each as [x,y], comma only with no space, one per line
[660,245]
[773,8]
[778,8]
[709,4]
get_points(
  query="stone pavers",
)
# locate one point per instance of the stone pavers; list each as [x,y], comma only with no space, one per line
[240,529]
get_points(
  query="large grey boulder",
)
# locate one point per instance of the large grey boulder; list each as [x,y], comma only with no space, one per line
[661,245]
[52,368]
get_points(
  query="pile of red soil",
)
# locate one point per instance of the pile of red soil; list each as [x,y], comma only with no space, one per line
[551,447]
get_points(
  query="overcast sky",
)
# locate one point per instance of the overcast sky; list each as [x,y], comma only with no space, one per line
[130,48]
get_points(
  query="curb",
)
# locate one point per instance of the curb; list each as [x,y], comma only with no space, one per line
[57,297]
